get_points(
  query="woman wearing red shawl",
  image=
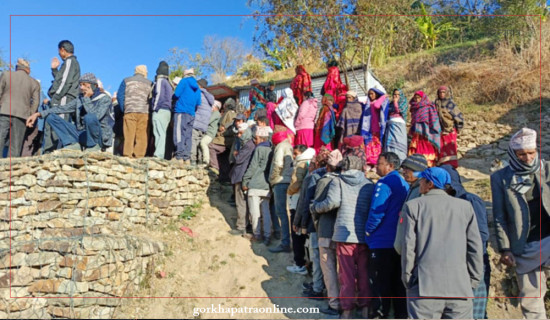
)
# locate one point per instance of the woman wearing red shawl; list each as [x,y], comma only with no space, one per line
[300,84]
[425,128]
[373,124]
[333,85]
[323,131]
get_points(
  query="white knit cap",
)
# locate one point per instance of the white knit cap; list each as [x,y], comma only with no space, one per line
[524,139]
[243,126]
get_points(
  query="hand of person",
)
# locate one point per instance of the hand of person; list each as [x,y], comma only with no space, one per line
[295,229]
[55,63]
[32,119]
[507,258]
[235,153]
[245,188]
[87,92]
[222,129]
[396,99]
[45,101]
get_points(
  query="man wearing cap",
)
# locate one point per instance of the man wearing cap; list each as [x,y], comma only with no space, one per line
[442,253]
[24,93]
[202,117]
[93,123]
[413,163]
[188,97]
[242,159]
[324,221]
[384,265]
[133,99]
[521,211]
[257,186]
[349,121]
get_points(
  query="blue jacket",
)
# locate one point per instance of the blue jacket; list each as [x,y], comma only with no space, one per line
[389,195]
[162,94]
[188,95]
[202,118]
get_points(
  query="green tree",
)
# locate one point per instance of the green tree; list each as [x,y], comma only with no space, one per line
[332,29]
[430,30]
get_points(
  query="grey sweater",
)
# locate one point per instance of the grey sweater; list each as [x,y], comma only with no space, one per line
[351,194]
[255,176]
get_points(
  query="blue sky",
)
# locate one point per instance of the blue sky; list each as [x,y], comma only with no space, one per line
[111,47]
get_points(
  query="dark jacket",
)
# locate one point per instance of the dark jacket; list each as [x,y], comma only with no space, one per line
[162,94]
[477,203]
[24,92]
[256,176]
[65,83]
[202,116]
[226,120]
[271,96]
[302,217]
[188,96]
[99,105]
[241,161]
[324,220]
[511,211]
[133,94]
[387,200]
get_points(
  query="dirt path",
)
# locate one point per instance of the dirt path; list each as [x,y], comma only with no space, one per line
[217,264]
[214,263]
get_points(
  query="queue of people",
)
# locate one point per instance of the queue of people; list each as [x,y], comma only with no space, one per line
[412,244]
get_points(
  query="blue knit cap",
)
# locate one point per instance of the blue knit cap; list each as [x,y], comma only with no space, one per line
[438,176]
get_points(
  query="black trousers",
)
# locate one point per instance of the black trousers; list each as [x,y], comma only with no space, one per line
[298,244]
[385,280]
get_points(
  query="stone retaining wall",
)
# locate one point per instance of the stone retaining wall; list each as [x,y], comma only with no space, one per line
[66,219]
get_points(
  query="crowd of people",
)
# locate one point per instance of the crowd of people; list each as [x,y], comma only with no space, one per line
[415,241]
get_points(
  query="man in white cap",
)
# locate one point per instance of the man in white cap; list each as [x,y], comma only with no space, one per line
[19,98]
[188,97]
[521,211]
[133,99]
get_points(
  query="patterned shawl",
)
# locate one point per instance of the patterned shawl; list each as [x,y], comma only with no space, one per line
[301,83]
[402,108]
[425,120]
[324,126]
[521,181]
[449,106]
[257,96]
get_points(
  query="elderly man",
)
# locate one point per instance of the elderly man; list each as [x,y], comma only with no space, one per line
[92,130]
[521,210]
[202,119]
[19,98]
[188,97]
[132,97]
[442,253]
[413,163]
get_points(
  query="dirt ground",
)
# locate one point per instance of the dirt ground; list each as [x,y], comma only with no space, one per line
[214,263]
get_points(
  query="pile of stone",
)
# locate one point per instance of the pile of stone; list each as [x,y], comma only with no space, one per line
[65,224]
